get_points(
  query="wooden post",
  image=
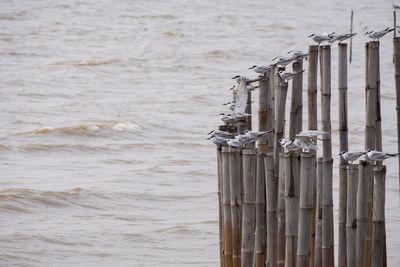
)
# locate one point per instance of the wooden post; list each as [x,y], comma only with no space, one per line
[236,202]
[272,196]
[296,106]
[312,125]
[318,215]
[394,24]
[327,202]
[226,201]
[378,216]
[396,52]
[271,189]
[351,223]
[292,191]
[220,208]
[351,38]
[343,144]
[307,181]
[281,213]
[363,192]
[249,206]
[370,104]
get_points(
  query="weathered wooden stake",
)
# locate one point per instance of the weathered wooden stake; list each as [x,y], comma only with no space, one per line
[281,213]
[378,218]
[235,160]
[249,206]
[343,144]
[313,125]
[318,215]
[351,222]
[272,183]
[296,106]
[327,202]
[396,52]
[220,208]
[292,191]
[272,193]
[363,193]
[226,201]
[351,38]
[307,181]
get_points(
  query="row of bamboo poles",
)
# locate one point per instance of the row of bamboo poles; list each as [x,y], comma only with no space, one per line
[276,207]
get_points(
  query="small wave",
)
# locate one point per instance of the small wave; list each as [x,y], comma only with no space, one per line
[90,62]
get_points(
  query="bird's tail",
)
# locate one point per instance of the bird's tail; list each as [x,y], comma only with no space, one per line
[300,71]
[392,154]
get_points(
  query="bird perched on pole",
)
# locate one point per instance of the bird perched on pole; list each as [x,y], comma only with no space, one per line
[379,34]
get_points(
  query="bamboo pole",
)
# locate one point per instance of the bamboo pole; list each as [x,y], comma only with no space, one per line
[296,106]
[374,87]
[318,215]
[351,38]
[327,202]
[226,201]
[292,189]
[378,217]
[370,103]
[281,213]
[351,223]
[307,181]
[272,193]
[313,125]
[260,212]
[249,206]
[363,192]
[236,202]
[272,183]
[343,143]
[396,52]
[220,208]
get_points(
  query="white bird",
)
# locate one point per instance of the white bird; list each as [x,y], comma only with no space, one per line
[256,134]
[379,156]
[245,139]
[319,38]
[234,143]
[287,75]
[231,105]
[340,37]
[311,134]
[306,144]
[289,145]
[351,156]
[220,134]
[218,140]
[241,97]
[298,54]
[228,118]
[238,78]
[261,69]
[379,34]
[283,61]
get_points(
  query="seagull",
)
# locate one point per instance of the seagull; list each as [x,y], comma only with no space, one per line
[287,75]
[378,155]
[320,38]
[228,118]
[351,156]
[379,34]
[305,144]
[289,145]
[218,140]
[283,61]
[234,143]
[219,133]
[261,69]
[341,37]
[298,54]
[238,78]
[231,105]
[311,133]
[256,134]
[245,139]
